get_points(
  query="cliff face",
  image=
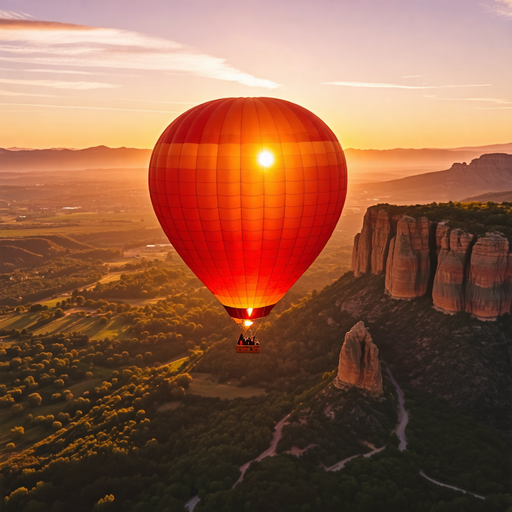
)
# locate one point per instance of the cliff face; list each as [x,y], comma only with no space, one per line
[454,251]
[359,361]
[371,245]
[463,273]
[489,291]
[408,262]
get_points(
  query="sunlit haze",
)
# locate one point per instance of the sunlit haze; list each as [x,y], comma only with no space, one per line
[380,74]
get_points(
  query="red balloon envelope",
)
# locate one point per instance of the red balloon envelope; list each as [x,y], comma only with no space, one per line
[248,191]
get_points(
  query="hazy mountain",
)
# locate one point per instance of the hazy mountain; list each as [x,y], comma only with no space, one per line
[495,197]
[73,159]
[489,173]
[368,165]
[365,165]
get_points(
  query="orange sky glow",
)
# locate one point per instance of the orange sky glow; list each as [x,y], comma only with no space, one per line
[427,73]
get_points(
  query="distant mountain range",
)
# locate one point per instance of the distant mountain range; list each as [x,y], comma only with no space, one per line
[365,165]
[489,173]
[100,157]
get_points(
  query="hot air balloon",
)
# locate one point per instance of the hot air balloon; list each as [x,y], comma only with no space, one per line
[248,191]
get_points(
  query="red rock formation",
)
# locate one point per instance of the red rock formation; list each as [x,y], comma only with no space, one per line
[361,253]
[359,361]
[371,245]
[488,287]
[408,262]
[469,276]
[454,249]
[381,236]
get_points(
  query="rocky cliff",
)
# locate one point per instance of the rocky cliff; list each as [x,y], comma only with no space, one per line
[359,362]
[453,256]
[461,271]
[408,261]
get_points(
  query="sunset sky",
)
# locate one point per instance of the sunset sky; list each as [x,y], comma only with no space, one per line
[381,73]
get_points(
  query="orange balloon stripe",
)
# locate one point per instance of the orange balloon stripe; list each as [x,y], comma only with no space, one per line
[248,232]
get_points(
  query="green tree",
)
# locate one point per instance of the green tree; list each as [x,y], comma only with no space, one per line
[34,399]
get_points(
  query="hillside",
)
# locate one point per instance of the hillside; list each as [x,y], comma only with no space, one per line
[495,197]
[31,251]
[489,173]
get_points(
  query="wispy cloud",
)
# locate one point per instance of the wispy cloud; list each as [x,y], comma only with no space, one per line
[493,108]
[486,100]
[61,71]
[16,93]
[377,85]
[503,7]
[57,84]
[62,44]
[160,101]
[82,107]
[11,15]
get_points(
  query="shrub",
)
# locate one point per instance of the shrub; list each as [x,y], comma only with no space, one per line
[17,408]
[34,399]
[184,380]
[17,433]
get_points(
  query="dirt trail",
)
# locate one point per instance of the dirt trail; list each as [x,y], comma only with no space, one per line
[403,419]
[271,450]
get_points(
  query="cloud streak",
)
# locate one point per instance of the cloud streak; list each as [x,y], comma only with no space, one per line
[11,15]
[57,84]
[15,93]
[64,44]
[378,85]
[487,100]
[82,107]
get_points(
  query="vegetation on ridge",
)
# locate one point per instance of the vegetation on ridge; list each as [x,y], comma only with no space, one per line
[476,218]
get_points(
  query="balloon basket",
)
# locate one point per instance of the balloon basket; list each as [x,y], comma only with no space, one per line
[245,349]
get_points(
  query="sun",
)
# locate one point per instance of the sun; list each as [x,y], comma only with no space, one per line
[265,158]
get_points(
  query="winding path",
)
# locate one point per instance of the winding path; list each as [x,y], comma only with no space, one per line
[403,416]
[450,486]
[403,419]
[269,452]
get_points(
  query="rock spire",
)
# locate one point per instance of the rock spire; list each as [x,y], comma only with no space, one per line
[359,362]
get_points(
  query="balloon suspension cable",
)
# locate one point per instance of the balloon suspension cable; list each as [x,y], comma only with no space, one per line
[241,327]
